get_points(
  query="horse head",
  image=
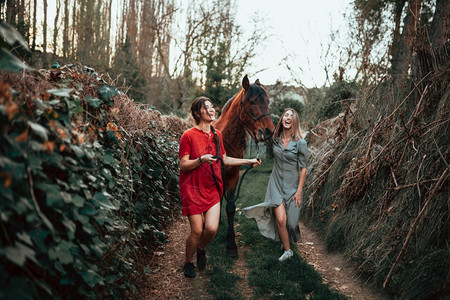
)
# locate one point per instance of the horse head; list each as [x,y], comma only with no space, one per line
[254,111]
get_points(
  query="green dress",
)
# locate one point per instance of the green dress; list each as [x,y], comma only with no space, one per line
[283,184]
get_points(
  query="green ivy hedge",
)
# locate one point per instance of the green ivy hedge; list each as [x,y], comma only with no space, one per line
[80,198]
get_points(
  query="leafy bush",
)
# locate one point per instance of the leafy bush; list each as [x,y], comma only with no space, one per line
[80,196]
[326,102]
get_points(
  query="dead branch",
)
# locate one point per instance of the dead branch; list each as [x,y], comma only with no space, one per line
[393,177]
[440,153]
[413,225]
[416,112]
[418,179]
[414,184]
[371,136]
[335,160]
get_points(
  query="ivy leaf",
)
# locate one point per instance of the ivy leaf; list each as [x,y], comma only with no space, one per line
[40,104]
[53,194]
[67,281]
[12,36]
[60,92]
[19,253]
[66,197]
[103,200]
[39,130]
[94,102]
[92,278]
[10,63]
[107,91]
[77,200]
[25,237]
[62,252]
[109,159]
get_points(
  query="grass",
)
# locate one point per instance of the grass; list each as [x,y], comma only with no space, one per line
[270,279]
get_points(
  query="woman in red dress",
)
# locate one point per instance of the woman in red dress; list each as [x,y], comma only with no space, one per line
[200,188]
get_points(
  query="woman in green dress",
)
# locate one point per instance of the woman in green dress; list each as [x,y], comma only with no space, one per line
[278,216]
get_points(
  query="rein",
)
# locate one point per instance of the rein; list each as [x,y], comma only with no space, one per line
[222,168]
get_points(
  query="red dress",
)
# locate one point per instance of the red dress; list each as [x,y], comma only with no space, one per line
[197,188]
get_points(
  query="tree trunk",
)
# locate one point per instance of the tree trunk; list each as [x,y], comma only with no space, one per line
[65,48]
[55,28]
[148,28]
[44,29]
[11,12]
[131,29]
[74,24]
[402,46]
[33,44]
[440,33]
[432,48]
[432,57]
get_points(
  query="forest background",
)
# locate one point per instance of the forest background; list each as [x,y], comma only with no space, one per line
[379,147]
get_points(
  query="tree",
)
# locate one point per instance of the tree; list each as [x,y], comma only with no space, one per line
[217,48]
[56,28]
[44,30]
[125,68]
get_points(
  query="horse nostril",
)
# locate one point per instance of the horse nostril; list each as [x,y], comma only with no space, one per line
[260,135]
[268,133]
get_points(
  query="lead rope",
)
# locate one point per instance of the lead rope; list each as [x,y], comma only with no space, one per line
[246,171]
[223,175]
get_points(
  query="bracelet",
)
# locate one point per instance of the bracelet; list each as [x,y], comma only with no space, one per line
[200,159]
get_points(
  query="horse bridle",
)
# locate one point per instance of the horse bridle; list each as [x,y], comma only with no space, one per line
[255,119]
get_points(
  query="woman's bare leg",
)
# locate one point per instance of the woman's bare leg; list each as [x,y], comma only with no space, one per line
[196,223]
[280,216]
[212,216]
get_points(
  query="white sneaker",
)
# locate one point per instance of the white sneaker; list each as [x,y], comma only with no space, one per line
[286,255]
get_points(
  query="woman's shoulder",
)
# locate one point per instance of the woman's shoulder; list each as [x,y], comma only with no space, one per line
[302,145]
[188,133]
[302,141]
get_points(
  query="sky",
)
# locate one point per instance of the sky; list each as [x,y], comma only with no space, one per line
[300,30]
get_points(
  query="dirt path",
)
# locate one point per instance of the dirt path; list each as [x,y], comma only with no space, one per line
[166,280]
[338,273]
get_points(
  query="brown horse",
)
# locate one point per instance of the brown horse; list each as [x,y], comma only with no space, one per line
[246,112]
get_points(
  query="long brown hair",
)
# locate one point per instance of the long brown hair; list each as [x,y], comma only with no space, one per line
[196,107]
[295,125]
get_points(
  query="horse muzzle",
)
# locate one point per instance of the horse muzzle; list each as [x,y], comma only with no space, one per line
[264,135]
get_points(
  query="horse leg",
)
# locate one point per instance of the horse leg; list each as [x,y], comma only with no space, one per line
[231,210]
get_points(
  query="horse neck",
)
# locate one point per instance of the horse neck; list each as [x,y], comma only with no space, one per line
[233,131]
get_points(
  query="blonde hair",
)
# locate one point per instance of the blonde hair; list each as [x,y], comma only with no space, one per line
[296,135]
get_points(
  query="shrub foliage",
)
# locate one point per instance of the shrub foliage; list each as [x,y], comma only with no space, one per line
[81,195]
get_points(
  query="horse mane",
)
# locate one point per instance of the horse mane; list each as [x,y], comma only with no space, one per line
[257,90]
[254,89]
[227,105]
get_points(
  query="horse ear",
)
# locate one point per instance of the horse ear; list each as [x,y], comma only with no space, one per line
[257,82]
[245,83]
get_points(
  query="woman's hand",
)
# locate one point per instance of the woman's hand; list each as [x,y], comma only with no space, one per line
[254,162]
[298,198]
[208,158]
